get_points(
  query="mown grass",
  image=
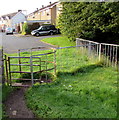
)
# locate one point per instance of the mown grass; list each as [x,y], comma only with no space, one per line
[61,41]
[90,93]
[83,88]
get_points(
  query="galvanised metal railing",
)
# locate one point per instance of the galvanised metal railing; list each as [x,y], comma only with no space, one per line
[106,52]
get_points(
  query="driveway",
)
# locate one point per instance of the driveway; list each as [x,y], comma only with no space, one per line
[11,43]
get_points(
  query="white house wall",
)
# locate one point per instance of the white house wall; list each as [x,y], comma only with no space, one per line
[17,19]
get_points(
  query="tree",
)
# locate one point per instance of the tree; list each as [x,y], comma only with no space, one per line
[25,29]
[97,21]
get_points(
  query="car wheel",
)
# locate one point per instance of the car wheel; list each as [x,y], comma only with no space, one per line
[51,33]
[37,34]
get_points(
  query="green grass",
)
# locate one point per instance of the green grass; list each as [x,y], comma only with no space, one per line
[6,90]
[90,93]
[83,88]
[59,41]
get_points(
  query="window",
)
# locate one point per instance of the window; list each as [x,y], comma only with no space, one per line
[47,10]
[43,12]
[44,28]
[48,14]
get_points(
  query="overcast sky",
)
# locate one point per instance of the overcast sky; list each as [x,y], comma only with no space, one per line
[9,6]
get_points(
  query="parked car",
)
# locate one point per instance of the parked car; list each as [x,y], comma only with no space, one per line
[45,30]
[9,31]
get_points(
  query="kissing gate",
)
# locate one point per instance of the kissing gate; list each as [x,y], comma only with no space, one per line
[30,68]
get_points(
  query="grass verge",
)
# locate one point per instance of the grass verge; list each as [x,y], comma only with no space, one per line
[61,41]
[89,92]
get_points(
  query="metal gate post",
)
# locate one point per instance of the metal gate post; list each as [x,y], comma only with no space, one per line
[19,61]
[6,67]
[10,82]
[31,69]
[55,62]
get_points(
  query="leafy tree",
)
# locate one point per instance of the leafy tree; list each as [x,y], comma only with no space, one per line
[25,29]
[97,21]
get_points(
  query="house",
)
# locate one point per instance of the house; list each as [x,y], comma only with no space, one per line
[46,14]
[12,20]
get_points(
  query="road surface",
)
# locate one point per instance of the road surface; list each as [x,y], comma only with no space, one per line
[11,43]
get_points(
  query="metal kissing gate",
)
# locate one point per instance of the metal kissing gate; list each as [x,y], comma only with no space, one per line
[38,66]
[25,68]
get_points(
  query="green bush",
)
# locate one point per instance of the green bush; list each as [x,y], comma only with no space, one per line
[25,29]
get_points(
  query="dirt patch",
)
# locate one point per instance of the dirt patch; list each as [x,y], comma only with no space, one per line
[16,106]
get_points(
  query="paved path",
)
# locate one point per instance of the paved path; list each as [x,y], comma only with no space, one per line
[11,43]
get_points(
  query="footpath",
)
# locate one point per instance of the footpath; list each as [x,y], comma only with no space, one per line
[15,104]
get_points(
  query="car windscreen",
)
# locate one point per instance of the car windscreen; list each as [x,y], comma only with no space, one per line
[40,28]
[9,29]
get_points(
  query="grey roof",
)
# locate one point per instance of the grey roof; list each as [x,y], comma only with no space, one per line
[8,15]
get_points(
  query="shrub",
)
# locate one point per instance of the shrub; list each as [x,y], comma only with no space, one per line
[25,29]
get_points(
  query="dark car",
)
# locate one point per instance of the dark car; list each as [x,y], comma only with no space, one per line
[45,30]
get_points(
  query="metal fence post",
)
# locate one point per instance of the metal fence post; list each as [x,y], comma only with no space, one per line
[77,41]
[99,52]
[89,48]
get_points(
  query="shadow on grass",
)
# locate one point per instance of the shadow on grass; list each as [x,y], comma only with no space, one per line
[41,77]
[82,70]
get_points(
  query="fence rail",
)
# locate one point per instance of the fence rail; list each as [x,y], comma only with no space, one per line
[29,65]
[62,59]
[106,52]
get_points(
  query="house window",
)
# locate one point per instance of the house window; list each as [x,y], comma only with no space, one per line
[47,10]
[59,8]
[43,12]
[48,14]
[33,16]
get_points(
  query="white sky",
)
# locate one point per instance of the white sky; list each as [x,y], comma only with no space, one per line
[9,6]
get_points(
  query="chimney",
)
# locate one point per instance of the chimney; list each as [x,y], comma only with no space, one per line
[50,3]
[42,6]
[37,9]
[19,10]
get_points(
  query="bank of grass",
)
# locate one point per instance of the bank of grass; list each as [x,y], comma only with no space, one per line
[87,90]
[90,93]
[61,41]
[83,88]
